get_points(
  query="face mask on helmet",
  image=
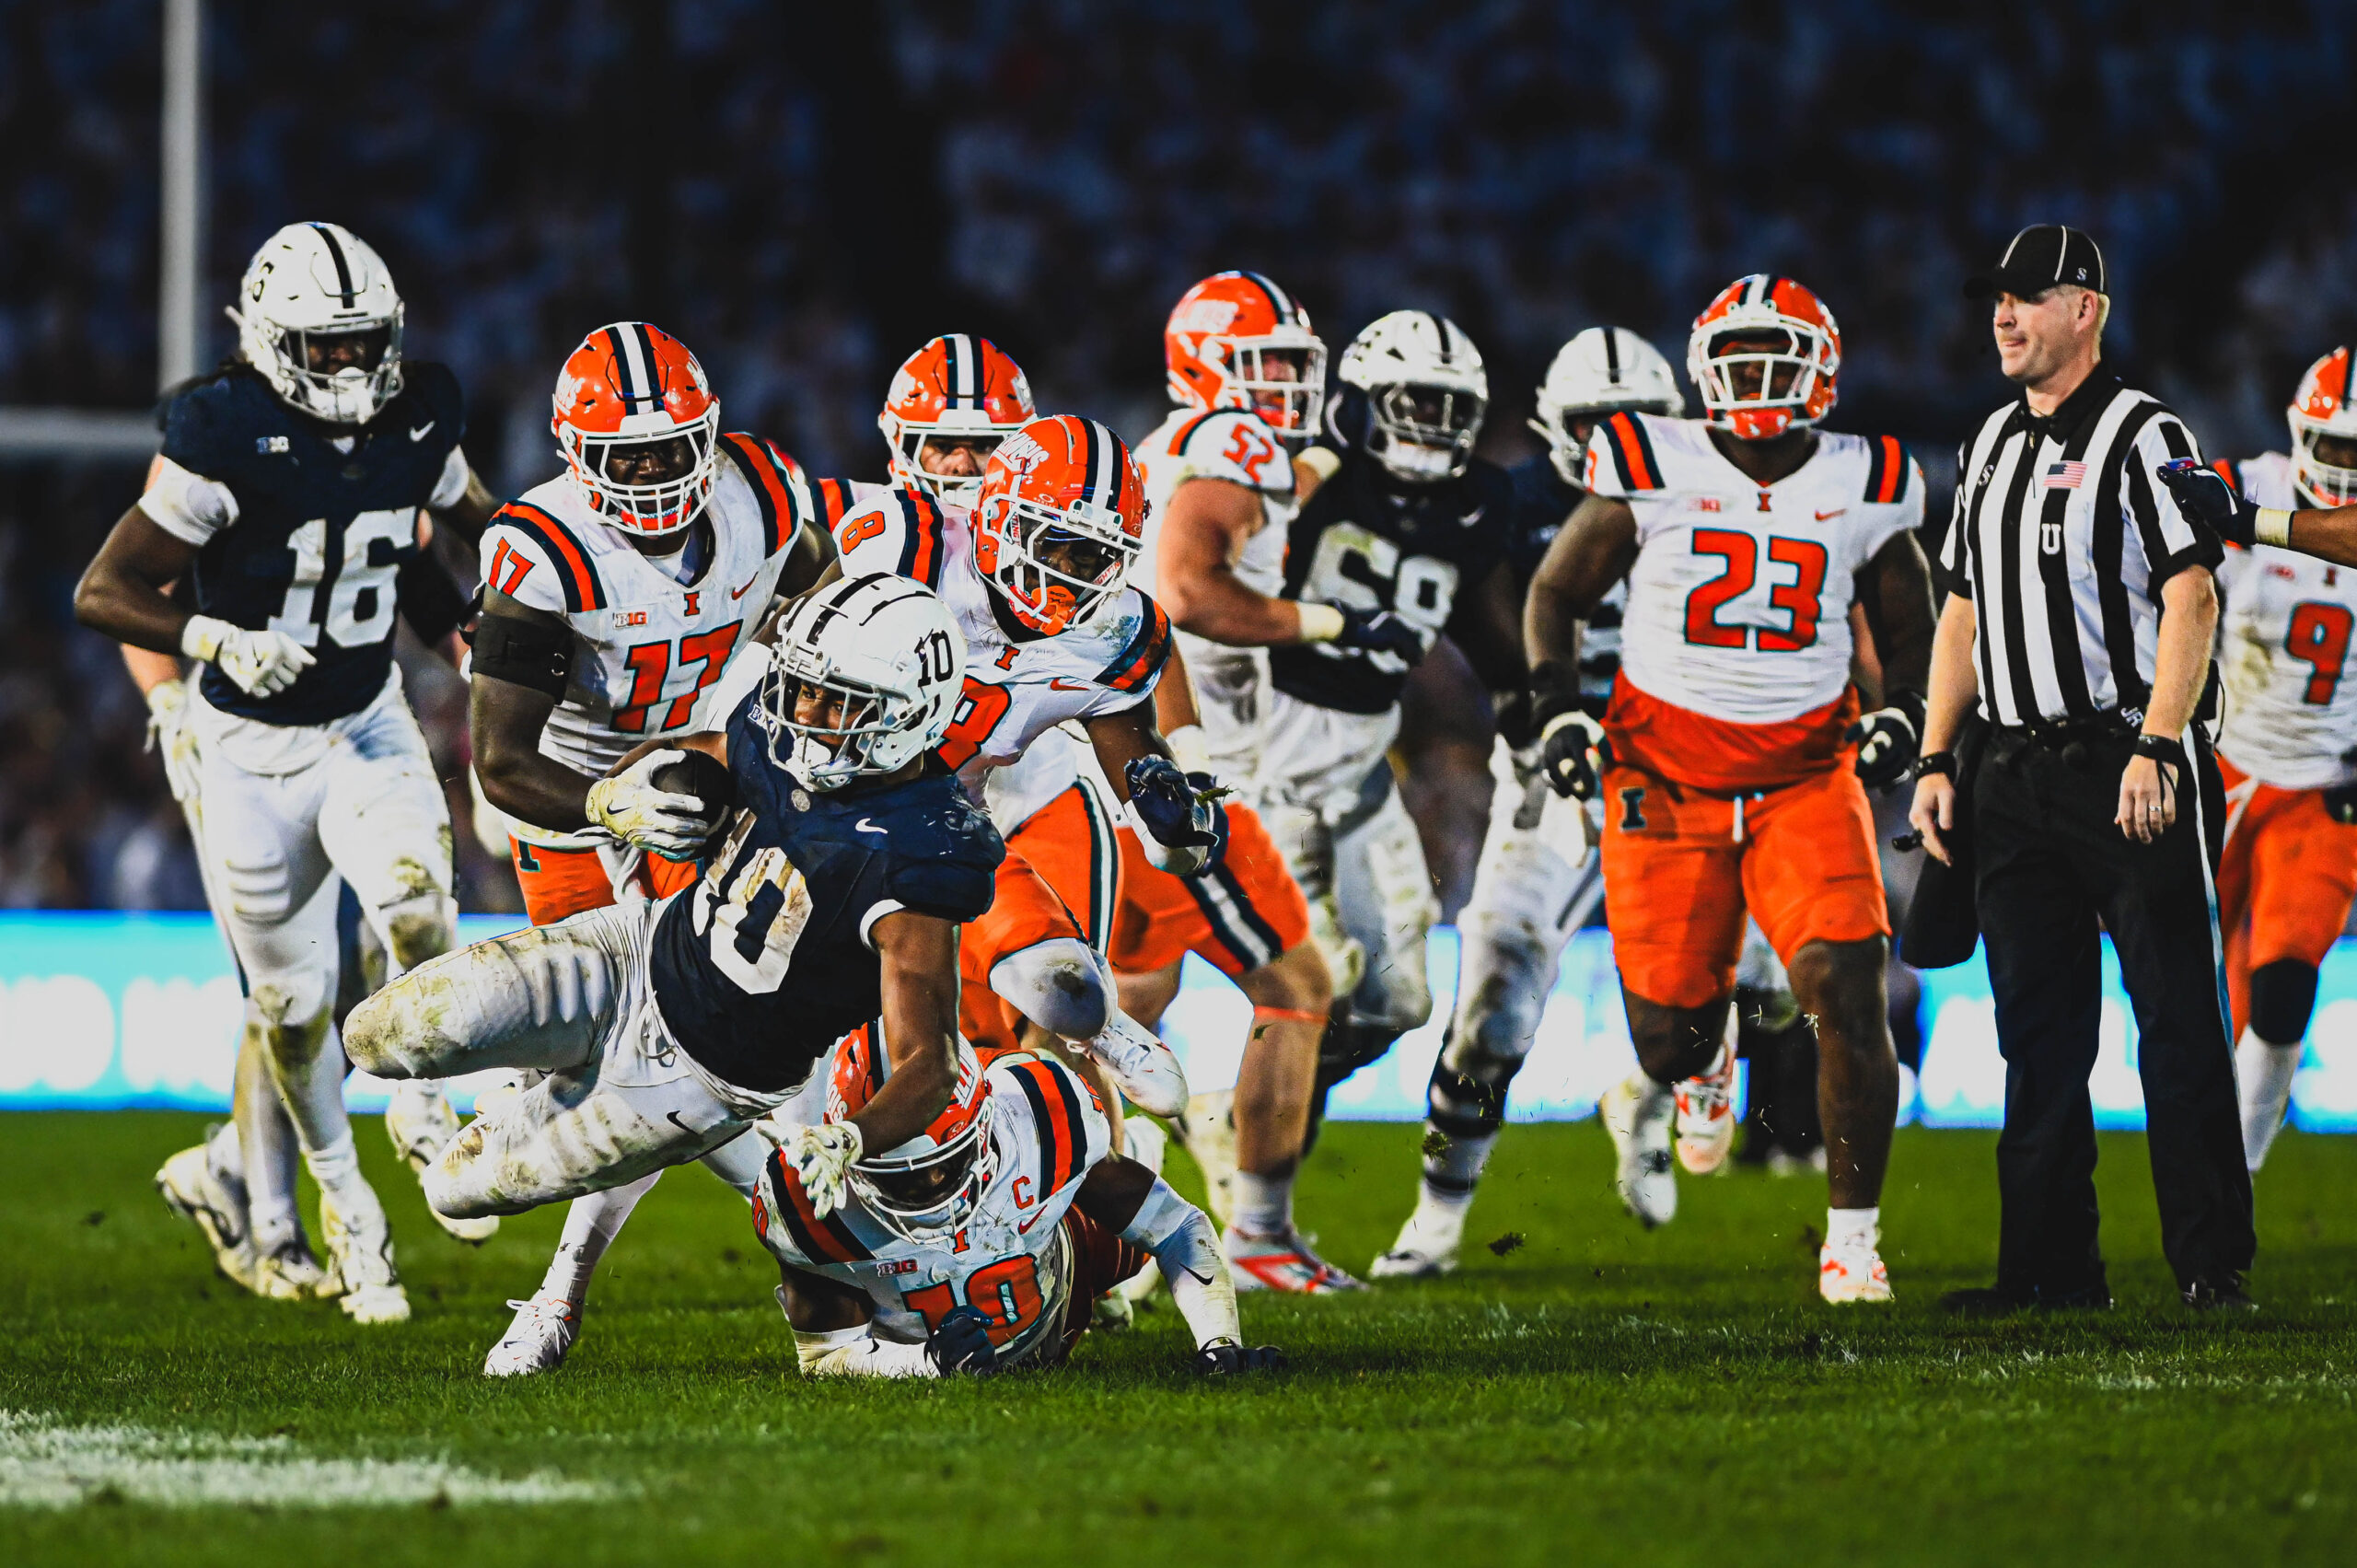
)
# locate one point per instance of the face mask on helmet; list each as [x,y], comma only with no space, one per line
[1283,382]
[863,680]
[656,485]
[2324,467]
[946,462]
[318,316]
[1768,369]
[924,1191]
[825,727]
[1061,565]
[1424,434]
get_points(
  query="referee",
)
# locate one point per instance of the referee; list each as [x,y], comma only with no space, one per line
[2081,616]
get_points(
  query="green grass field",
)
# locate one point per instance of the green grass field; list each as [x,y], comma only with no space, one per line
[1597,1392]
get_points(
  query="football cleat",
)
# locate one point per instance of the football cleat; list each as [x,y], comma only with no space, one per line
[1706,1116]
[360,1247]
[1427,1246]
[192,1189]
[1282,1262]
[419,1121]
[1637,1112]
[1208,1131]
[537,1339]
[1141,1065]
[291,1271]
[1846,1274]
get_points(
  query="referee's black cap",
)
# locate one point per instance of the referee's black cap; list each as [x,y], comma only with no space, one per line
[2040,257]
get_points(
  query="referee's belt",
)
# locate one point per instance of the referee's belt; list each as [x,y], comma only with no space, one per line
[2069,738]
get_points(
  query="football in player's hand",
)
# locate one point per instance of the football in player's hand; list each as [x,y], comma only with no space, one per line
[702,775]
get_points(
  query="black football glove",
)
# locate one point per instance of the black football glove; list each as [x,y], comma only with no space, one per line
[2203,494]
[1179,811]
[1574,755]
[1228,1361]
[2340,802]
[962,1343]
[1378,631]
[1888,740]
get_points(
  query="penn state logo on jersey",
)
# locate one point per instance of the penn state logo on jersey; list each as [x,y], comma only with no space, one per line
[1366,544]
[321,532]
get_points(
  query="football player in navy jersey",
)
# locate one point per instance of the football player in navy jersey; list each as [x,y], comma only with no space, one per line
[286,503]
[1409,532]
[1537,882]
[658,1033]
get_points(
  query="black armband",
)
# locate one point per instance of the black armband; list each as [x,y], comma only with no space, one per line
[1939,762]
[428,599]
[532,654]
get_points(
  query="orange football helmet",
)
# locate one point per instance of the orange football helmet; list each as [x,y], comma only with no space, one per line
[959,388]
[2324,408]
[930,1185]
[1236,340]
[631,393]
[1759,392]
[1061,515]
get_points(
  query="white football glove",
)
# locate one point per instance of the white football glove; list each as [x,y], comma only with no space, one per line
[822,1157]
[633,810]
[172,737]
[262,664]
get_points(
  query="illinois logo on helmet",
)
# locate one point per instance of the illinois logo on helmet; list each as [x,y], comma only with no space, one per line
[951,404]
[1763,356]
[1236,340]
[638,426]
[2323,417]
[931,1185]
[1061,515]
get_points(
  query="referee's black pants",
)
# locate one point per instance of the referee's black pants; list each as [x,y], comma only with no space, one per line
[2050,863]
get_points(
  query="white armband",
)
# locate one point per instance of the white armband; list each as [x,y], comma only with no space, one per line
[189,506]
[1189,749]
[857,1353]
[1320,622]
[1186,1249]
[2272,526]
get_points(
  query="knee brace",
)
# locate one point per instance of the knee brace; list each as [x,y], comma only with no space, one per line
[1466,1107]
[2283,996]
[1061,984]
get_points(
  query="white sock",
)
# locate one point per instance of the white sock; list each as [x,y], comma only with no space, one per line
[1261,1206]
[2264,1071]
[1657,1097]
[590,1227]
[1853,1230]
[337,1170]
[1441,1202]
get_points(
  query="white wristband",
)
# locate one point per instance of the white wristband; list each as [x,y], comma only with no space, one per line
[1189,749]
[2273,526]
[1320,622]
[1323,461]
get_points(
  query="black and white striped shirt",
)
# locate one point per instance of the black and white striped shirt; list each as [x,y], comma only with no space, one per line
[2062,538]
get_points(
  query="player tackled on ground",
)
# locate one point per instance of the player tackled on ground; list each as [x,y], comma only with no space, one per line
[654,1033]
[288,497]
[1725,762]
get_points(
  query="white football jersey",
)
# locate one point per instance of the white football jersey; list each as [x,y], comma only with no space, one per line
[1231,685]
[1739,601]
[647,648]
[1011,1262]
[1019,685]
[2283,648]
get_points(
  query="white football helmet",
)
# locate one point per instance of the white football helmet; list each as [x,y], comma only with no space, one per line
[316,288]
[1603,370]
[1426,394]
[891,655]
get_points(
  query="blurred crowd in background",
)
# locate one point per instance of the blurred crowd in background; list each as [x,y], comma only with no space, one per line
[805,191]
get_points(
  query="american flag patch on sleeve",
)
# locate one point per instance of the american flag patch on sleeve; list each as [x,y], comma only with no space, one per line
[2064,476]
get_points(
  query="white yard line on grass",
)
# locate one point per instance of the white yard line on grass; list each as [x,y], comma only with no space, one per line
[45,1464]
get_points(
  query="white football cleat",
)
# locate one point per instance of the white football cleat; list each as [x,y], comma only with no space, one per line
[291,1271]
[1706,1116]
[1282,1262]
[1847,1275]
[1208,1131]
[192,1190]
[537,1340]
[1637,1112]
[1141,1065]
[419,1121]
[360,1250]
[1427,1245]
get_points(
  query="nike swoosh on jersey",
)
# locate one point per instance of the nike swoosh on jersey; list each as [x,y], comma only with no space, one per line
[1061,684]
[864,826]
[1837,511]
[422,431]
[739,593]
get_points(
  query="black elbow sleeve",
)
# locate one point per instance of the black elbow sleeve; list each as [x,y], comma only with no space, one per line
[532,654]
